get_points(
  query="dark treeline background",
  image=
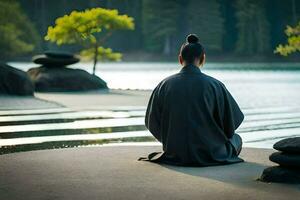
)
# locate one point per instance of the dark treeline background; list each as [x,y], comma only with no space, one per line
[227,28]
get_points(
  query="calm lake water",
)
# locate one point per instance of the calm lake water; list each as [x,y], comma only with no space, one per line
[269,95]
[252,84]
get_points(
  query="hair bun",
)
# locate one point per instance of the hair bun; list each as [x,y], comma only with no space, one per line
[192,38]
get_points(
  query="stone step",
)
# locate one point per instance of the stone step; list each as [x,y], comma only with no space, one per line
[67,117]
[42,111]
[99,136]
[34,111]
[80,124]
[76,127]
[248,137]
[267,110]
[84,115]
[269,135]
[94,123]
[67,114]
[248,111]
[272,116]
[261,128]
[71,143]
[134,123]
[61,115]
[263,139]
[269,124]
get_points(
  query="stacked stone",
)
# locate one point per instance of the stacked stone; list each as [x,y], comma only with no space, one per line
[55,59]
[288,159]
[54,76]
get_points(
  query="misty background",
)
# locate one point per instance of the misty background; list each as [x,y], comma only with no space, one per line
[233,30]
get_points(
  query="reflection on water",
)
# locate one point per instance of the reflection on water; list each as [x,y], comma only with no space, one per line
[69,144]
[35,133]
[66,117]
[77,125]
[269,97]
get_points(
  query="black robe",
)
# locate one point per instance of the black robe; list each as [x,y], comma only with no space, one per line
[194,117]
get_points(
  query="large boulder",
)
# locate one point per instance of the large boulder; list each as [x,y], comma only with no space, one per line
[287,160]
[281,175]
[289,145]
[14,81]
[64,79]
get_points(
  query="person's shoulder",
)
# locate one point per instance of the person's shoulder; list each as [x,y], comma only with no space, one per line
[166,81]
[169,79]
[212,80]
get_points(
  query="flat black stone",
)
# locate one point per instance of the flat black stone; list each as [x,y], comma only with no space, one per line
[285,159]
[289,145]
[281,175]
[54,62]
[58,54]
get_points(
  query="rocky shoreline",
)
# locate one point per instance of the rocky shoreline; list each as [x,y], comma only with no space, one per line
[53,75]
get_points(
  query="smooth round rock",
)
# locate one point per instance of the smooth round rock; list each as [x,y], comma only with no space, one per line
[64,79]
[289,145]
[54,62]
[284,159]
[58,54]
[281,175]
[14,81]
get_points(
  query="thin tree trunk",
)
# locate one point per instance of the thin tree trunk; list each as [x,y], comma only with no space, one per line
[96,50]
[95,59]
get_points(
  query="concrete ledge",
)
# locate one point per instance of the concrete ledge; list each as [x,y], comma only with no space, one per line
[113,172]
[9,102]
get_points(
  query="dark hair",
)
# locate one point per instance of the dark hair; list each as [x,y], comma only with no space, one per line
[191,49]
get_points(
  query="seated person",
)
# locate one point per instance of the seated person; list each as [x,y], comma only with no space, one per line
[193,115]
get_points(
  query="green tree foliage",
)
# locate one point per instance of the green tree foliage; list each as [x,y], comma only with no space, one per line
[90,28]
[253,27]
[293,41]
[160,19]
[205,19]
[18,35]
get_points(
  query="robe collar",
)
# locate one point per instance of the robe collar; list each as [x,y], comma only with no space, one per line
[190,69]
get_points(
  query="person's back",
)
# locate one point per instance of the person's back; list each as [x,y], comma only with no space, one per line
[194,116]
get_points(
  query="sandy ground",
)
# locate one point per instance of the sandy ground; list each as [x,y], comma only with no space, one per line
[104,98]
[77,100]
[114,173]
[8,102]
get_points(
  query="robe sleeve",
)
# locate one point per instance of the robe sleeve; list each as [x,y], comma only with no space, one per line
[231,113]
[153,113]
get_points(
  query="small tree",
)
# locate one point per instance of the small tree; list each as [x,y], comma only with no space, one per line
[293,41]
[90,28]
